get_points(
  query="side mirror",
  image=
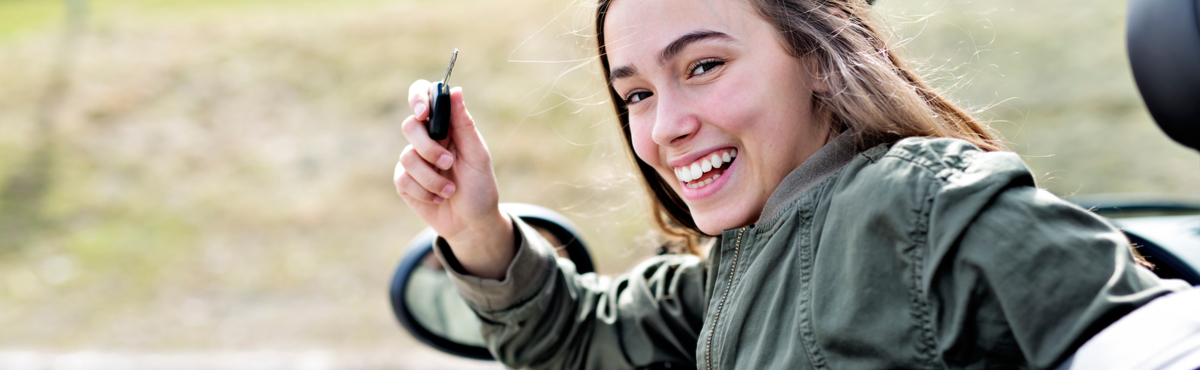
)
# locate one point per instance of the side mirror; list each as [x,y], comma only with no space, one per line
[427,304]
[1163,39]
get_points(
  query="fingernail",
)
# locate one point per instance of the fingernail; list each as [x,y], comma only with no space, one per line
[445,161]
[437,199]
[448,191]
[419,109]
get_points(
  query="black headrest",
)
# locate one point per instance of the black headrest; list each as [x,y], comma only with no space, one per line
[1163,38]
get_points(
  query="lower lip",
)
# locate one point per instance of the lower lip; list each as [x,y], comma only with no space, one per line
[710,189]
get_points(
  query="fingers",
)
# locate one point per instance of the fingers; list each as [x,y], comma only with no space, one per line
[418,99]
[413,192]
[462,129]
[416,179]
[429,150]
[415,131]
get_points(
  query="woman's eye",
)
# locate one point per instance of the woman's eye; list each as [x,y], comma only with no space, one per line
[637,96]
[704,66]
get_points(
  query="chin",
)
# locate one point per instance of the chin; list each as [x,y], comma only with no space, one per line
[713,223]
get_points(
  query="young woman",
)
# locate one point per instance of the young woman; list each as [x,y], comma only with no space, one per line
[855,219]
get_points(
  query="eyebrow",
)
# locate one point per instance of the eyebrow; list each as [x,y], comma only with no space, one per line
[672,50]
[682,42]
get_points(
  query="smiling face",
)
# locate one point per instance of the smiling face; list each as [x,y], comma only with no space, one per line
[716,105]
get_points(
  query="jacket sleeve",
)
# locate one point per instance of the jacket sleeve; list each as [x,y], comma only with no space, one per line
[1022,274]
[545,315]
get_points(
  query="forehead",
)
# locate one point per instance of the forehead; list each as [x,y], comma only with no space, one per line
[638,29]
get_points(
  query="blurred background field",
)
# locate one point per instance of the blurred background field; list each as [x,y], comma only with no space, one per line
[181,176]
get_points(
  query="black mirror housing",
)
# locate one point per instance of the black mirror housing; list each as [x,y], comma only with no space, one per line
[421,247]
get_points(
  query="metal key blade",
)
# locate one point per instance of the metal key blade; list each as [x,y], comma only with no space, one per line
[450,68]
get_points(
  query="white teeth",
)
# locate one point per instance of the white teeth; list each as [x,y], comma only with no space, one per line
[699,168]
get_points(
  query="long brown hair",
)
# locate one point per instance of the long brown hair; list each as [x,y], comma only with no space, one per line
[871,93]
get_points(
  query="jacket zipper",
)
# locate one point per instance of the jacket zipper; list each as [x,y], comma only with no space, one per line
[708,348]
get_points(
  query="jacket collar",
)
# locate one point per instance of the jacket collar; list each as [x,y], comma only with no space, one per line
[822,164]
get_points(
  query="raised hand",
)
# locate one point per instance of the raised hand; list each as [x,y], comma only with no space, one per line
[452,187]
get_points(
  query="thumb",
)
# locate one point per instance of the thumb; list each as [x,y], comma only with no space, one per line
[466,137]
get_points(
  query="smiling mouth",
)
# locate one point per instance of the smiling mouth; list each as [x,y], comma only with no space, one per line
[704,171]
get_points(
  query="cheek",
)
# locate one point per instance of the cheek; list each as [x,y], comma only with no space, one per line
[643,144]
[732,106]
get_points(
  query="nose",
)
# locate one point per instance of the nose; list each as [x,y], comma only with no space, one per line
[675,119]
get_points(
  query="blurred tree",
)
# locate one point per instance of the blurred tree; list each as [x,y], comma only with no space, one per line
[21,199]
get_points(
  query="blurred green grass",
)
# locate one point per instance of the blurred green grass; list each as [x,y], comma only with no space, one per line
[217,173]
[1054,80]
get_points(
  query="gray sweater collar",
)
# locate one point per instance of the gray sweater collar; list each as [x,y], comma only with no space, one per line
[822,164]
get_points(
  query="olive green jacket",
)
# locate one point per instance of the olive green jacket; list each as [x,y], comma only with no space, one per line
[925,254]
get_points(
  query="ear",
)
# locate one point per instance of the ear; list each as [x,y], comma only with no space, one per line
[818,76]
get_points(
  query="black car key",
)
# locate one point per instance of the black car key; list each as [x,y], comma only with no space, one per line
[439,118]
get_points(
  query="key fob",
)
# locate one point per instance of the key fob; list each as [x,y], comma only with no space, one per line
[439,116]
[438,124]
